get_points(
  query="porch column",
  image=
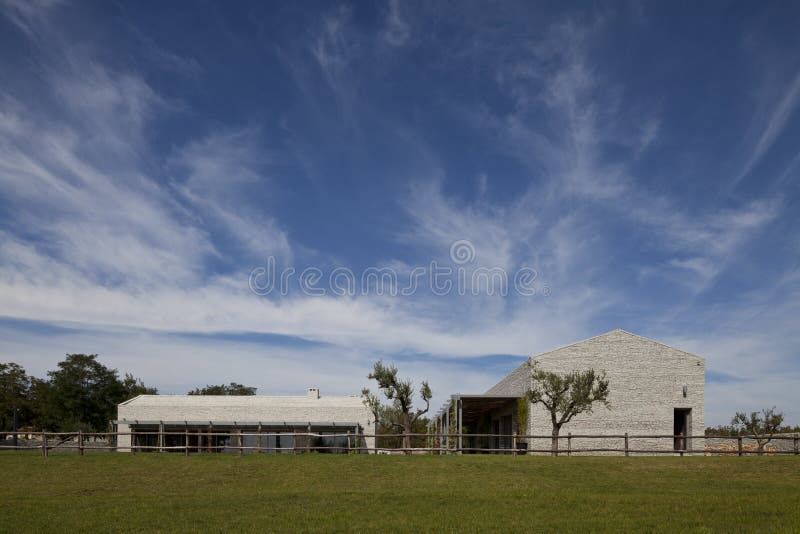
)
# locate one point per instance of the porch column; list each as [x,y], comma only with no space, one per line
[459,420]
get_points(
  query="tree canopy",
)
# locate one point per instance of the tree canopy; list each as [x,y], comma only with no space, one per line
[762,426]
[225,389]
[566,395]
[81,393]
[400,415]
[15,394]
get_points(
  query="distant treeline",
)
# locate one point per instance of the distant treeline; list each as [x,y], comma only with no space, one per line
[81,394]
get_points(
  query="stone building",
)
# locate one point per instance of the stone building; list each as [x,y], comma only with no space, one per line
[654,390]
[219,423]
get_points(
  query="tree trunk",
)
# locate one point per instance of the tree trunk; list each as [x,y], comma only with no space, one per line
[406,432]
[554,444]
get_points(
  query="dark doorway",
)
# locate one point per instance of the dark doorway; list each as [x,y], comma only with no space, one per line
[681,428]
[506,430]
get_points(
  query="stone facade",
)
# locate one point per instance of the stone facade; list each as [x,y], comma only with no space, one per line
[248,410]
[647,380]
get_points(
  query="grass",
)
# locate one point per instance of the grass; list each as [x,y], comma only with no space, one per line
[166,492]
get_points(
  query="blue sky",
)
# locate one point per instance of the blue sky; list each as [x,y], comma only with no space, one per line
[642,159]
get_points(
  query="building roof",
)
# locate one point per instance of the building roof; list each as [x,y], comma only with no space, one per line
[616,332]
[243,401]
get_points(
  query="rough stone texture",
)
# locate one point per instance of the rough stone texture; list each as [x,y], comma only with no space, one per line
[728,445]
[244,409]
[646,380]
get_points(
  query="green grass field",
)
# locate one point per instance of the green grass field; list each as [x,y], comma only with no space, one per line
[166,492]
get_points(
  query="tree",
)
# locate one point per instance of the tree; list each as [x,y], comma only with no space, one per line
[15,389]
[83,393]
[134,387]
[373,403]
[401,414]
[230,389]
[44,413]
[565,396]
[762,426]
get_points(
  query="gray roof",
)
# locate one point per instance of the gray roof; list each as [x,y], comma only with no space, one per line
[242,401]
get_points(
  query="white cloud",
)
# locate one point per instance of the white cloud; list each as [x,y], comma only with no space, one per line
[103,240]
[223,171]
[783,110]
[397,30]
[28,15]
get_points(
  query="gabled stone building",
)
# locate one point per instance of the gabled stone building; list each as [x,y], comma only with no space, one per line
[654,390]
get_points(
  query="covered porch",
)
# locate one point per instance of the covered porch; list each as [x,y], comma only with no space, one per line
[242,437]
[473,424]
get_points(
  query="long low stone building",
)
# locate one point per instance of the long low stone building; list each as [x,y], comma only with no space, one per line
[654,390]
[218,423]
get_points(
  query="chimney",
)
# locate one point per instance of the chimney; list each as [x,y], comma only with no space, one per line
[313,393]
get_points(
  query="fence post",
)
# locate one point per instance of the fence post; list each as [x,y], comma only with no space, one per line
[626,445]
[569,443]
[44,444]
[80,442]
[739,444]
[348,442]
[514,444]
[294,441]
[186,441]
[796,448]
[161,436]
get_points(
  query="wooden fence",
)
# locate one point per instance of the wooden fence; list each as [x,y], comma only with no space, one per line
[353,443]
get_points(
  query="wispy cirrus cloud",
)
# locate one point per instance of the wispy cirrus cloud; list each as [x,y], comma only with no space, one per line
[776,120]
[568,118]
[397,30]
[29,16]
[218,175]
[137,216]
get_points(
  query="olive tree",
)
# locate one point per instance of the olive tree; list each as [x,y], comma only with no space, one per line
[401,415]
[566,395]
[762,426]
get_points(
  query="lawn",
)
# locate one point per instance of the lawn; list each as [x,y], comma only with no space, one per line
[166,492]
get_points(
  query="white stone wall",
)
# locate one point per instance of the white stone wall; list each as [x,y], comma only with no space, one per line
[246,409]
[646,380]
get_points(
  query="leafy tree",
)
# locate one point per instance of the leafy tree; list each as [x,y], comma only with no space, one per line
[44,411]
[378,411]
[134,387]
[762,426]
[401,414]
[15,390]
[224,389]
[83,393]
[565,396]
[384,416]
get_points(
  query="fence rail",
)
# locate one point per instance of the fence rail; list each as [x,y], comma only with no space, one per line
[190,441]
